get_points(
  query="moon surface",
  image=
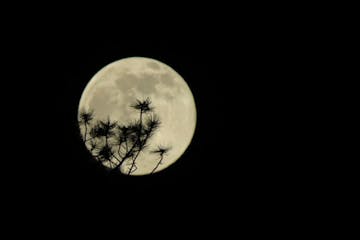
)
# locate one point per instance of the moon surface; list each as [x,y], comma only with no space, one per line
[117,86]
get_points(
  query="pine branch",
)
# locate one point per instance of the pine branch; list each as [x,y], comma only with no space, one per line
[158,164]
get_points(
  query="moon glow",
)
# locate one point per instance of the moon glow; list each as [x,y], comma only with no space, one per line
[112,91]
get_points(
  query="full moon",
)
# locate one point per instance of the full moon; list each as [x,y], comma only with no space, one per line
[137,116]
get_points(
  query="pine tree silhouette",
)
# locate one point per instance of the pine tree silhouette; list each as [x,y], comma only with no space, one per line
[113,144]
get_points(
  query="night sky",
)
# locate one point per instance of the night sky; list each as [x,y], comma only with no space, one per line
[242,157]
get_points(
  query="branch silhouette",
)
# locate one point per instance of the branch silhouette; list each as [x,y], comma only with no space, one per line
[85,119]
[161,151]
[113,144]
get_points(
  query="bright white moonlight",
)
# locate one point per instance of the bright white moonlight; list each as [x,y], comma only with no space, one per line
[117,86]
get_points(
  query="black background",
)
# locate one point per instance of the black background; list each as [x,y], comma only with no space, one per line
[242,159]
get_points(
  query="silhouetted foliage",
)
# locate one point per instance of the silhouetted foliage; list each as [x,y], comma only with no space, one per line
[115,144]
[143,106]
[85,119]
[161,151]
[106,153]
